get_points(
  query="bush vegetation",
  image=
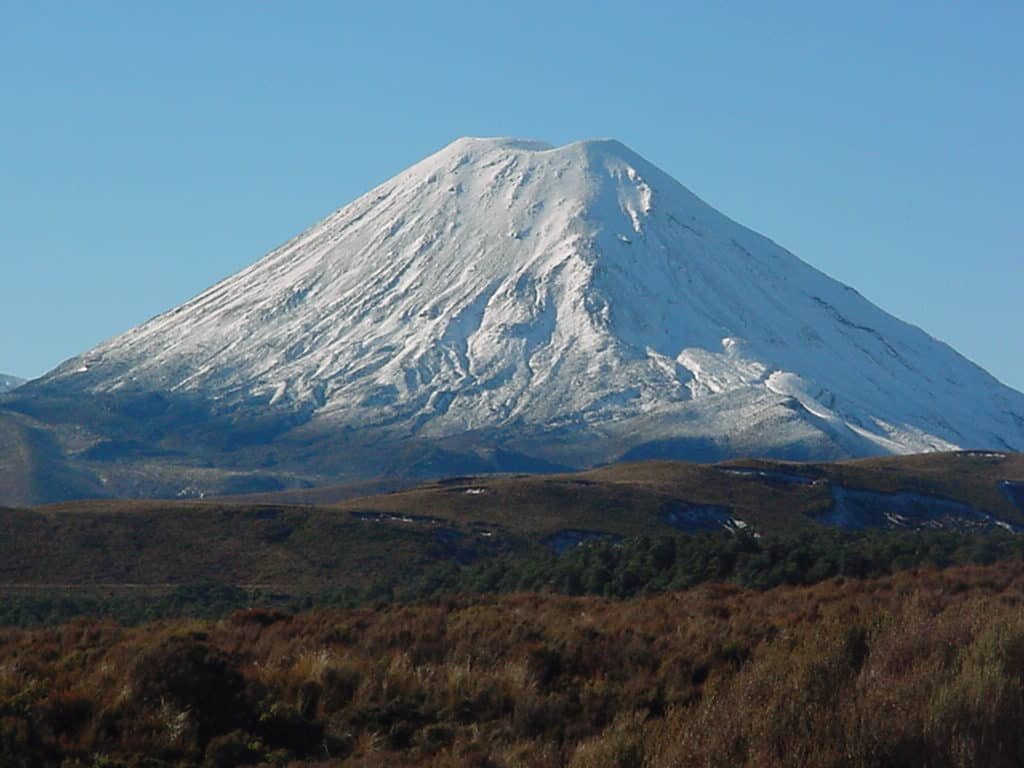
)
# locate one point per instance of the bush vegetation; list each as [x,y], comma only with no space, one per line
[620,569]
[646,565]
[920,668]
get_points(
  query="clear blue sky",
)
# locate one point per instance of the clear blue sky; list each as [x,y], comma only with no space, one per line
[148,149]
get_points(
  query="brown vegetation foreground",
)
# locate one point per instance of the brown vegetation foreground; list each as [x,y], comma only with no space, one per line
[918,669]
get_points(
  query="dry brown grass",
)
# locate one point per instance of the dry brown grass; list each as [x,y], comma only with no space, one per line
[919,669]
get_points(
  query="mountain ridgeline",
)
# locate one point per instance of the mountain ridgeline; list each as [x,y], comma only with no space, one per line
[7,382]
[503,305]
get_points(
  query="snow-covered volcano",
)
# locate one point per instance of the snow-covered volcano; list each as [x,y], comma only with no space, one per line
[508,287]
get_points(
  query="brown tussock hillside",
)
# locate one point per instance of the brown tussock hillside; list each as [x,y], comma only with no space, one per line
[922,668]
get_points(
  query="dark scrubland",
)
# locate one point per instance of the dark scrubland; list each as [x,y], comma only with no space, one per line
[646,527]
[921,668]
[610,567]
[278,541]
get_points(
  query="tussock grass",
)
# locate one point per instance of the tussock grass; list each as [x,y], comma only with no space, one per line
[921,668]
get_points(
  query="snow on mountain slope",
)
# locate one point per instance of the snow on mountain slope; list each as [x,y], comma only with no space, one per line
[508,285]
[7,383]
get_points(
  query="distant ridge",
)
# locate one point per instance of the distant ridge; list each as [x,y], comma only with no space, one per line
[8,383]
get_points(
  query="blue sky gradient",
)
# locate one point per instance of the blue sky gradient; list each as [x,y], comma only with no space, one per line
[148,150]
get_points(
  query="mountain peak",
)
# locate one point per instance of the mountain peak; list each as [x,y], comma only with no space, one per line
[508,287]
[531,145]
[586,150]
[497,142]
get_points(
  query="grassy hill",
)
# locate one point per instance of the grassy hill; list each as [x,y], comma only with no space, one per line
[632,498]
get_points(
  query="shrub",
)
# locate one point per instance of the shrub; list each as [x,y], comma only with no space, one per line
[232,750]
[189,680]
